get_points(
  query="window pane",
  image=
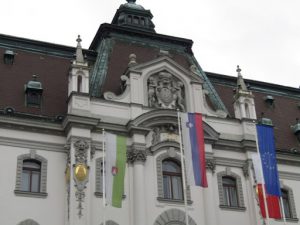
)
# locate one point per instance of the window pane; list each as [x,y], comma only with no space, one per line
[25,181]
[233,197]
[169,166]
[35,182]
[228,181]
[177,187]
[31,164]
[286,204]
[167,187]
[226,196]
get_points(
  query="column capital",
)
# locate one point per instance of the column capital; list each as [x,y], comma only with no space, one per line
[136,153]
[211,165]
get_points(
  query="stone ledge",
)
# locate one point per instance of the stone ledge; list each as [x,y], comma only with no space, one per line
[290,220]
[31,194]
[100,195]
[173,201]
[226,207]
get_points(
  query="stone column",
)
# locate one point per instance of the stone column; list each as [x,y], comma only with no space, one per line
[137,157]
[209,195]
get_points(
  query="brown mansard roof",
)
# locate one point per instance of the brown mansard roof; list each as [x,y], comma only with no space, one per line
[50,62]
[283,113]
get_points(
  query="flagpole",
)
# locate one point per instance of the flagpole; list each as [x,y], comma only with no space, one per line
[103,176]
[262,176]
[282,209]
[183,171]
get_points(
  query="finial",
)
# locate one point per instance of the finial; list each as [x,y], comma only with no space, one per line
[240,81]
[78,40]
[238,70]
[34,77]
[131,1]
[79,55]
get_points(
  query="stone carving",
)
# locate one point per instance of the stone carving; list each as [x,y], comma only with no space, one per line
[135,155]
[132,60]
[93,151]
[81,147]
[245,168]
[165,91]
[211,165]
[80,172]
[164,133]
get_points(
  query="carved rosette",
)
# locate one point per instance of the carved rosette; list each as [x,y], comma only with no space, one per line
[211,165]
[80,172]
[137,153]
[165,91]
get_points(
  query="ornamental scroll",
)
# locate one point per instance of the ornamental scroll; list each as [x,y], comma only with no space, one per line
[165,91]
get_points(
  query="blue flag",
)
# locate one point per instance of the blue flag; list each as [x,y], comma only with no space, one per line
[266,144]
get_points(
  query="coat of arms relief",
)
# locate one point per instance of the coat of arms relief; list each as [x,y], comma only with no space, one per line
[165,91]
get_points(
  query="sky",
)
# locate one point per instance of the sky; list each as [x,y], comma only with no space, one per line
[262,36]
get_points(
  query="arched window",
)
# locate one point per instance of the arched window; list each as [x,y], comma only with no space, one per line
[31,179]
[31,176]
[247,110]
[230,191]
[79,83]
[172,180]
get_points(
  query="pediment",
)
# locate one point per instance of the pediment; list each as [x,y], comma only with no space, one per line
[165,63]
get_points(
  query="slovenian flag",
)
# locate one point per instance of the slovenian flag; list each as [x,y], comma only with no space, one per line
[194,152]
[270,179]
[115,162]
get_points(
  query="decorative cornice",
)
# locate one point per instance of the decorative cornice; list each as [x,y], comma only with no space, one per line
[289,175]
[229,162]
[244,145]
[79,121]
[31,123]
[31,144]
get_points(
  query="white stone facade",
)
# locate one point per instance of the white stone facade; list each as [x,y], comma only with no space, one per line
[229,144]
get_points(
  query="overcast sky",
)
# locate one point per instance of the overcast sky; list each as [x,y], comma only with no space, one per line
[262,36]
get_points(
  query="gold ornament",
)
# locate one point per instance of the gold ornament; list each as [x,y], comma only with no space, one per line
[81,172]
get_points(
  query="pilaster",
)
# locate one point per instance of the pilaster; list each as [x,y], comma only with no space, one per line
[137,156]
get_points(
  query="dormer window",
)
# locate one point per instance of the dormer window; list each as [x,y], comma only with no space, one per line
[8,57]
[33,92]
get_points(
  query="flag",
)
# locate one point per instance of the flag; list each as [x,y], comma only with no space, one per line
[272,201]
[115,161]
[270,178]
[266,145]
[194,152]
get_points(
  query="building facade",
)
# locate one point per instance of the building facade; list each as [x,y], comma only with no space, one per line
[132,82]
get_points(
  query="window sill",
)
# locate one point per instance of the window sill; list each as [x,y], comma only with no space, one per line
[239,208]
[292,220]
[100,195]
[174,201]
[31,194]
